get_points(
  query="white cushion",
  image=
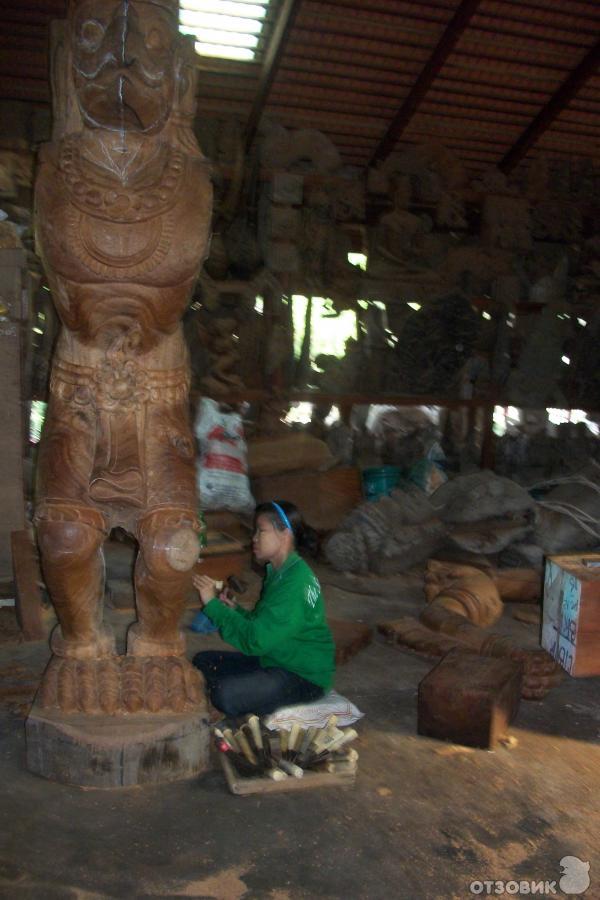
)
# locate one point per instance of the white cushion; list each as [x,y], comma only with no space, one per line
[315,714]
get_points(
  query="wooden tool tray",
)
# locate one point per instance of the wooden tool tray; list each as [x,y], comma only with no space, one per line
[262,784]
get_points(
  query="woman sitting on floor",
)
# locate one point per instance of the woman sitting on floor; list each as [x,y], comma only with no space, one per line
[286,649]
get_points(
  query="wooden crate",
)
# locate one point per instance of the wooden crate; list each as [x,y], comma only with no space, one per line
[571,613]
[244,786]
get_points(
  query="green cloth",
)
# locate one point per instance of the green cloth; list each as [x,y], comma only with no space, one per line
[287,628]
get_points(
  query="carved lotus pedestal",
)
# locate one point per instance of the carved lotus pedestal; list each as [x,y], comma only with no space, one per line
[118,721]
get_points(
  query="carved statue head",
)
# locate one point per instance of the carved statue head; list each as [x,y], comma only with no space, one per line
[123,62]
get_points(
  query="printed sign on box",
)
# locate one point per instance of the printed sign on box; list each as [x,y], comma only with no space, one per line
[571,615]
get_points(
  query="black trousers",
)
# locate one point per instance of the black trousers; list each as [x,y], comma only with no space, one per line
[238,684]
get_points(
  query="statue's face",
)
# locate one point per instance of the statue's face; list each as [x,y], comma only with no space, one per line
[123,63]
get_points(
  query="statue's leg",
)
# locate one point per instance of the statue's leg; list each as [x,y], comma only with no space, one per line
[70,540]
[168,539]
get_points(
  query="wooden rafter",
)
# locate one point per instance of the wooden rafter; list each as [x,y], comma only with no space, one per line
[272,58]
[445,45]
[555,105]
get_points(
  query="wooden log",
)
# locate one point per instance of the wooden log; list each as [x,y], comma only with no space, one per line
[469,699]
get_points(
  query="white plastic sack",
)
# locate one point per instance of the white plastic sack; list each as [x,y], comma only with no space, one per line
[222,469]
[315,714]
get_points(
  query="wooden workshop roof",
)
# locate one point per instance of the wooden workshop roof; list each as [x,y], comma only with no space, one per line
[496,81]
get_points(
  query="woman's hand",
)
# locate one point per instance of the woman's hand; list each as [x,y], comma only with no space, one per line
[225,598]
[205,586]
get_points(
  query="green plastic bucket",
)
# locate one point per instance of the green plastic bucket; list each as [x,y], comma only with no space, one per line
[380,481]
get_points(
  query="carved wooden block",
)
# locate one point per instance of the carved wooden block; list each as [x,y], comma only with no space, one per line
[469,699]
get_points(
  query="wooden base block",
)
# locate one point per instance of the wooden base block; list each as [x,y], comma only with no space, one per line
[469,699]
[116,751]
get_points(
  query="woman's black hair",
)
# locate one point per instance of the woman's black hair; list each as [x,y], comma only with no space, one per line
[305,537]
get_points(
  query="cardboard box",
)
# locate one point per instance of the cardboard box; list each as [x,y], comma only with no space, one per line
[571,614]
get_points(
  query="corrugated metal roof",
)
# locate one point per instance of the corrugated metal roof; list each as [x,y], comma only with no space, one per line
[348,66]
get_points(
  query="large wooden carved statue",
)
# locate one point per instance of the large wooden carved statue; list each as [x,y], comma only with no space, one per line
[123,203]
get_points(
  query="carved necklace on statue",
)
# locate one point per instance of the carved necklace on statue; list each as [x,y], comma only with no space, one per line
[93,191]
[97,195]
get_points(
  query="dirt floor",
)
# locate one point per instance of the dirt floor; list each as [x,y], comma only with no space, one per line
[424,820]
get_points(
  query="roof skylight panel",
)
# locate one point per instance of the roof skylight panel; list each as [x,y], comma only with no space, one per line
[224,28]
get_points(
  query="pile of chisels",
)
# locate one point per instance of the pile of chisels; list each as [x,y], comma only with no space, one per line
[254,751]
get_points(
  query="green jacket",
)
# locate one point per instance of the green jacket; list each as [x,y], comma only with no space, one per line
[287,628]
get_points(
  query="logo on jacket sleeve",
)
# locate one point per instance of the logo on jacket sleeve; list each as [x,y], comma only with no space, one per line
[312,591]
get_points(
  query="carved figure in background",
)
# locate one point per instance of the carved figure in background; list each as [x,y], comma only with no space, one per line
[536,379]
[400,233]
[464,590]
[219,338]
[434,344]
[123,203]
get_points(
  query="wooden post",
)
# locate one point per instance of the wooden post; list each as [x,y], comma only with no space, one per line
[488,444]
[27,578]
[12,501]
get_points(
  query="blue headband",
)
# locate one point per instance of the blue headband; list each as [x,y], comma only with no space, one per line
[282,516]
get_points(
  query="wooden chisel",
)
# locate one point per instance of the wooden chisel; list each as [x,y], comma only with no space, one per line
[245,747]
[256,732]
[291,768]
[294,736]
[307,740]
[229,737]
[283,742]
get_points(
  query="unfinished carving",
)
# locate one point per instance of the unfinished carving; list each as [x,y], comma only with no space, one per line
[464,590]
[450,630]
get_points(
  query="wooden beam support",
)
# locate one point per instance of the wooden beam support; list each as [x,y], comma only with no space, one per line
[272,59]
[27,578]
[555,105]
[446,44]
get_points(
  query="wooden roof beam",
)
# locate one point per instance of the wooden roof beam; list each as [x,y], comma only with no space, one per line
[272,59]
[555,105]
[445,45]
